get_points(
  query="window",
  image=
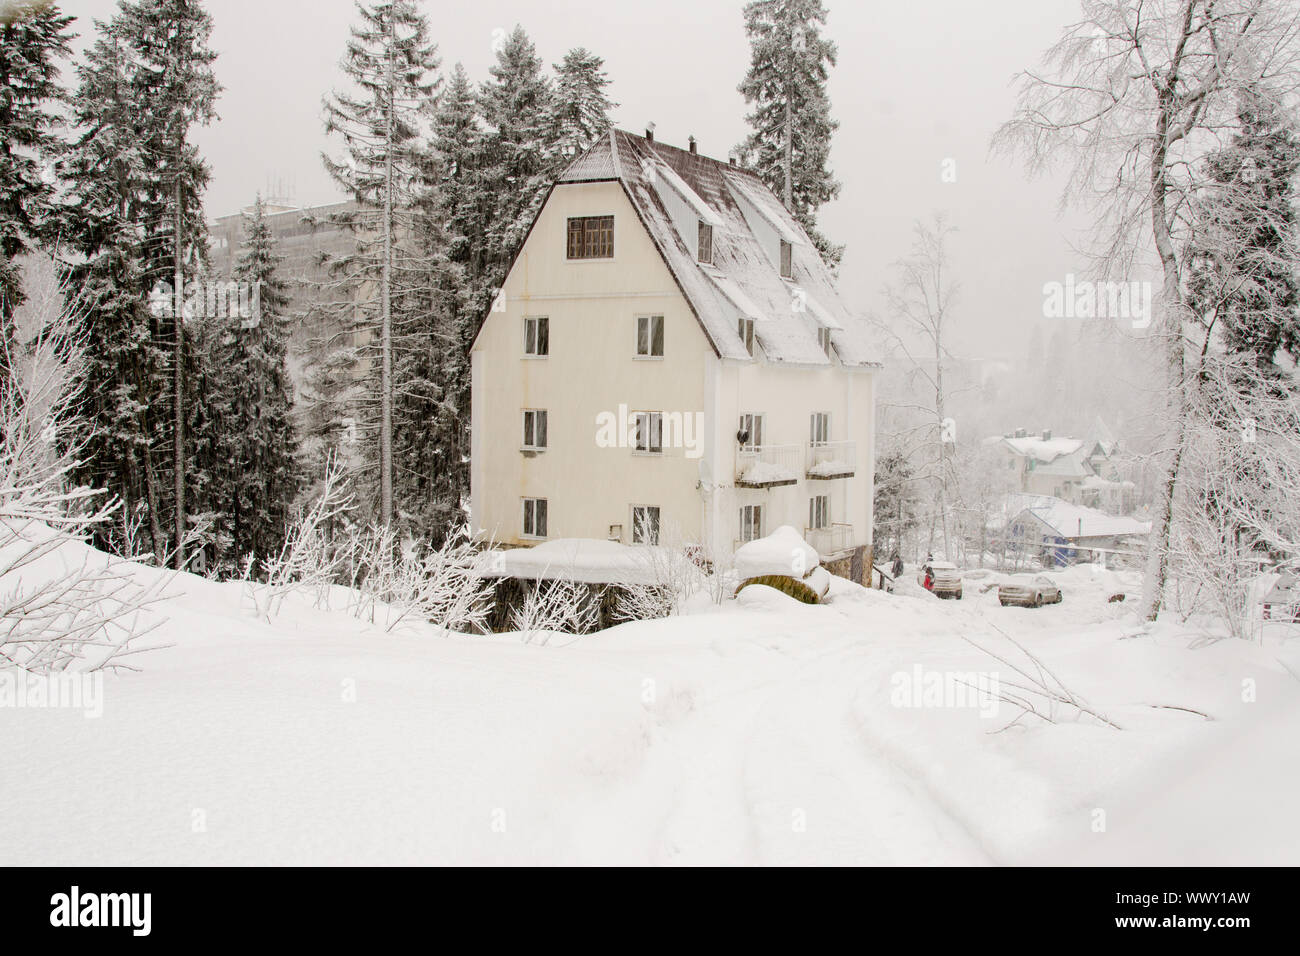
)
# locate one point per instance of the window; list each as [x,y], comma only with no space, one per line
[751,522]
[534,428]
[645,524]
[824,340]
[650,336]
[751,427]
[534,517]
[746,331]
[704,250]
[819,512]
[537,336]
[650,432]
[819,428]
[591,237]
[787,259]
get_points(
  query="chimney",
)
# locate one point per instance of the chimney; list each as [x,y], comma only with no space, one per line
[1047,434]
[1020,433]
[690,142]
[731,158]
[650,132]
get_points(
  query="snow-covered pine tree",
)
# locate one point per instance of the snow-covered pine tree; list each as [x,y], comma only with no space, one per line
[1243,261]
[390,62]
[253,471]
[105,170]
[34,40]
[431,406]
[171,69]
[792,126]
[581,111]
[520,153]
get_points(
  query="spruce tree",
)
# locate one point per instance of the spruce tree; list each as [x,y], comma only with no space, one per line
[791,121]
[581,110]
[390,62]
[254,479]
[34,40]
[520,152]
[1245,257]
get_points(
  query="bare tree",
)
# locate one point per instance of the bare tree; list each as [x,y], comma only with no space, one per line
[920,303]
[1131,99]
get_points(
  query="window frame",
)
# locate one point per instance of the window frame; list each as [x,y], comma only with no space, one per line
[819,507]
[824,418]
[785,259]
[582,250]
[824,340]
[657,524]
[745,329]
[753,522]
[523,434]
[538,322]
[755,429]
[650,417]
[649,355]
[704,243]
[523,519]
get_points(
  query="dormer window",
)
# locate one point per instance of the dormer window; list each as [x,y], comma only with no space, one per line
[746,331]
[704,250]
[824,340]
[787,260]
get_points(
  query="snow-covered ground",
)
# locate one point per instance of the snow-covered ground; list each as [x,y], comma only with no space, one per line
[765,731]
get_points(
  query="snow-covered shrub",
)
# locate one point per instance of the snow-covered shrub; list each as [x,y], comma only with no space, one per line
[56,615]
[569,607]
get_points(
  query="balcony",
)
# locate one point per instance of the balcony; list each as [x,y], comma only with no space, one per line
[830,540]
[767,466]
[831,459]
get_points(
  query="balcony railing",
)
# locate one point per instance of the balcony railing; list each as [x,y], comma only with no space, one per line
[767,466]
[832,459]
[830,540]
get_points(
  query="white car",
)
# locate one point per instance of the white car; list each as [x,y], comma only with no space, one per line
[1035,592]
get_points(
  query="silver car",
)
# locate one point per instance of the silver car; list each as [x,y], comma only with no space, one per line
[1035,592]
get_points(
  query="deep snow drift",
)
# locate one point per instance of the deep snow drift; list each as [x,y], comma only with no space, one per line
[764,731]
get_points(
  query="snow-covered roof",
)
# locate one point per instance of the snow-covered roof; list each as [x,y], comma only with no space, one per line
[1072,521]
[1041,449]
[751,280]
[588,560]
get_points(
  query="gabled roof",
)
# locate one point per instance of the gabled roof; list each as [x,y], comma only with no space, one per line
[1071,521]
[743,278]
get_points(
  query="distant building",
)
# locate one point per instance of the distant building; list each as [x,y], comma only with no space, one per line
[1083,472]
[301,235]
[1059,532]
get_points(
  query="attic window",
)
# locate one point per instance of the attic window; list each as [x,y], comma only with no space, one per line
[746,331]
[824,340]
[787,260]
[591,237]
[705,249]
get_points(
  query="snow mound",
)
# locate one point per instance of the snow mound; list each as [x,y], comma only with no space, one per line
[784,551]
[587,560]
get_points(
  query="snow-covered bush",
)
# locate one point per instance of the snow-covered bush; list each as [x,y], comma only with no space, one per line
[563,605]
[56,614]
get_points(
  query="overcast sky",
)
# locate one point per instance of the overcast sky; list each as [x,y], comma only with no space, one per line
[917,82]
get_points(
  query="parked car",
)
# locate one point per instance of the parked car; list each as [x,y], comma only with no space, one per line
[1282,602]
[1035,592]
[946,581]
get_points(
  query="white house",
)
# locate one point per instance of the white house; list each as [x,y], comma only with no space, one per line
[668,351]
